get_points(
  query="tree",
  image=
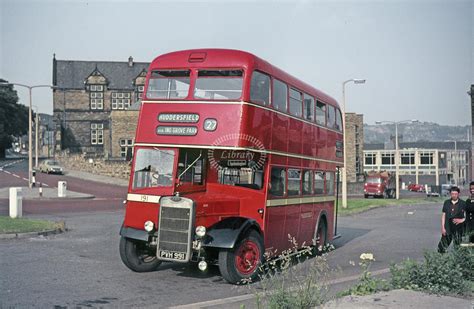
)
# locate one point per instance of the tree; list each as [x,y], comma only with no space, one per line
[13,117]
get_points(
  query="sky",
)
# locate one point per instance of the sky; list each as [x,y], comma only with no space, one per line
[417,56]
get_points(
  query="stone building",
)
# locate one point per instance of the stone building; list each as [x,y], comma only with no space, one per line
[91,99]
[122,132]
[355,147]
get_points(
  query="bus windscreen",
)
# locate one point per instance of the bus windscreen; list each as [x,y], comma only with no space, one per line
[168,84]
[219,84]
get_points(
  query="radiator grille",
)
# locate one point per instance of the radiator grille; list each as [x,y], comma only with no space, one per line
[175,229]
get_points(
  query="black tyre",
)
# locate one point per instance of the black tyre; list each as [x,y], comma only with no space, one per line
[321,237]
[243,261]
[366,196]
[137,256]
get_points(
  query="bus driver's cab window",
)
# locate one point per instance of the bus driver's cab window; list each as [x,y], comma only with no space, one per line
[278,182]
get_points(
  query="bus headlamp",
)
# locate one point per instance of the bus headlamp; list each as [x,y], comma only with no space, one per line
[149,226]
[200,231]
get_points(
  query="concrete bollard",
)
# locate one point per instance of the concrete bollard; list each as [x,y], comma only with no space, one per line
[40,191]
[16,203]
[62,188]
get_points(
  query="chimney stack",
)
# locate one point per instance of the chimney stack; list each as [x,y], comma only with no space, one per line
[130,61]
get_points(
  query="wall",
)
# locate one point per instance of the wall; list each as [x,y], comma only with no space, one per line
[124,124]
[355,146]
[99,166]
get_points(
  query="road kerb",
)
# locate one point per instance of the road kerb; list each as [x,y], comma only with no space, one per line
[61,229]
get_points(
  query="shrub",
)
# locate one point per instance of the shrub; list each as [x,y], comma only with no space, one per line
[439,273]
[367,284]
[285,282]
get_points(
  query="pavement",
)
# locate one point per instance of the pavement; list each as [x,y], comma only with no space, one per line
[48,194]
[400,299]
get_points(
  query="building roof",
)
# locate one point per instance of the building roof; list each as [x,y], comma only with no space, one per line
[422,145]
[70,74]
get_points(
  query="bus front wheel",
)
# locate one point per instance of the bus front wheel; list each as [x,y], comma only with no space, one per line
[137,255]
[243,261]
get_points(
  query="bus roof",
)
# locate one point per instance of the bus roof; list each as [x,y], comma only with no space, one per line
[222,58]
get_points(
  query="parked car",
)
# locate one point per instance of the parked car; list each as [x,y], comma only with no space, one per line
[50,167]
[415,187]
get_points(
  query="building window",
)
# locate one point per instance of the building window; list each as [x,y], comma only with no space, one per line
[296,101]
[126,148]
[139,92]
[408,158]
[96,96]
[370,158]
[120,100]
[388,159]
[97,133]
[426,158]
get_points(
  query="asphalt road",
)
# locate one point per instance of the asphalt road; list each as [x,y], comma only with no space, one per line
[82,267]
[107,196]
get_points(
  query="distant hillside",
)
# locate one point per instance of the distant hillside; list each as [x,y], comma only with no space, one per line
[416,132]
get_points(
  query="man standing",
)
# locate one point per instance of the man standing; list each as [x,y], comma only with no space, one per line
[452,219]
[470,213]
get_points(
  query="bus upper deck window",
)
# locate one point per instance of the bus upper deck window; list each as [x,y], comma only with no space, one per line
[168,84]
[320,113]
[260,88]
[296,100]
[331,120]
[219,84]
[280,95]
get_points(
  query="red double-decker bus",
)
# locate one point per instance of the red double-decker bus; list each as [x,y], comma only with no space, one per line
[231,157]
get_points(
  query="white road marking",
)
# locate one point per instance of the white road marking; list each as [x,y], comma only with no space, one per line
[16,175]
[7,172]
[25,179]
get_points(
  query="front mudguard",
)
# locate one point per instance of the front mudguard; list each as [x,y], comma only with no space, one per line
[226,233]
[132,233]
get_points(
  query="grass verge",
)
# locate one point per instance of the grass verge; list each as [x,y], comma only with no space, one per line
[359,205]
[21,225]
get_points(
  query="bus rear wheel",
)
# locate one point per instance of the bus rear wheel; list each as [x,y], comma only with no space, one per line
[243,261]
[137,256]
[321,237]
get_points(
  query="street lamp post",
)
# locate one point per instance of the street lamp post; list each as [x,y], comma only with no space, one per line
[397,154]
[36,135]
[344,170]
[30,144]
